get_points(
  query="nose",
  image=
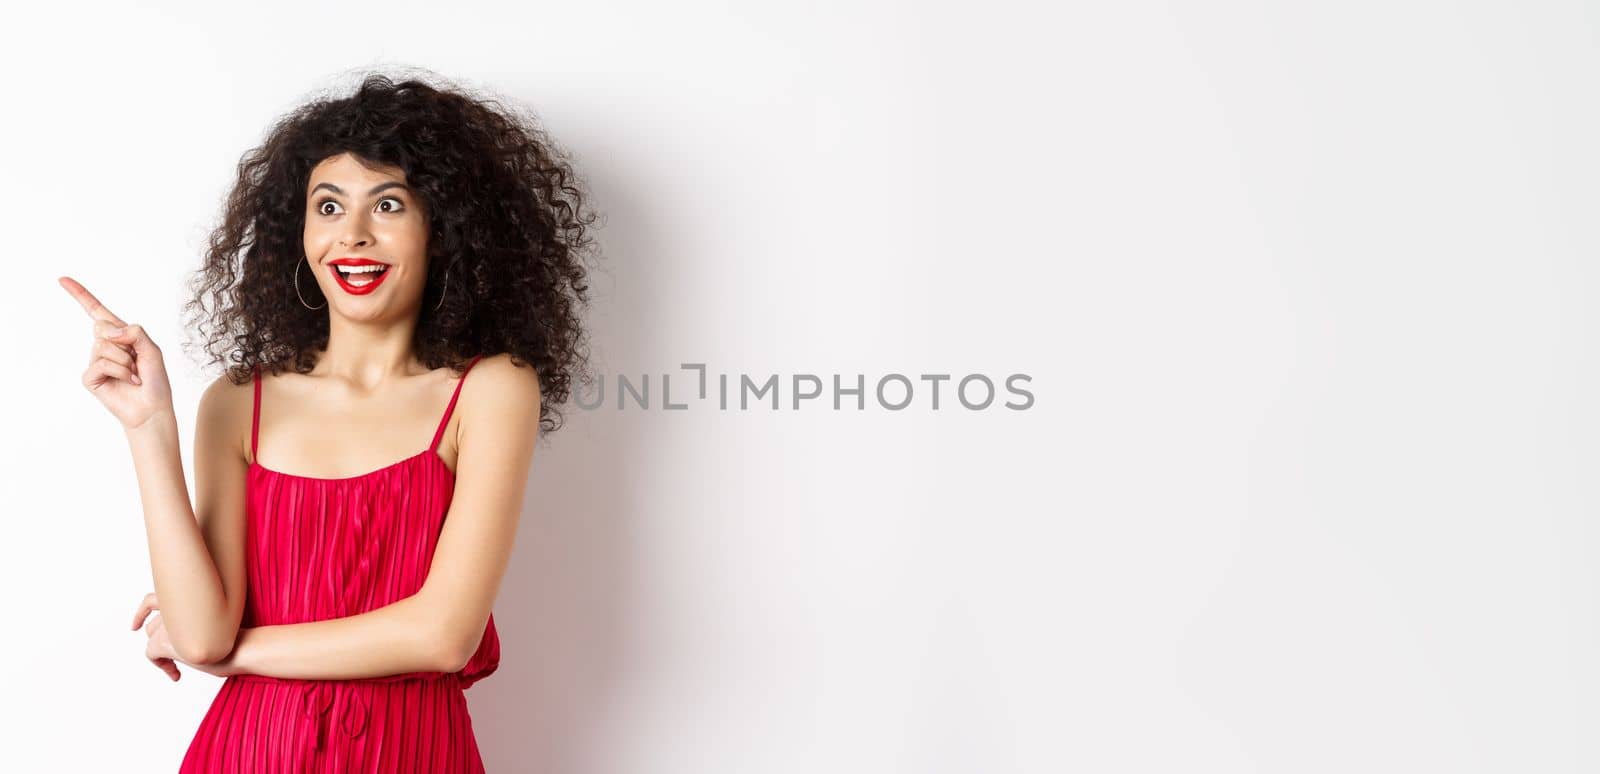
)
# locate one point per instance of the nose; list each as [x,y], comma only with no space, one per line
[356,232]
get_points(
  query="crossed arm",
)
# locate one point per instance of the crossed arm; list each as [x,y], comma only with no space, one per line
[436,629]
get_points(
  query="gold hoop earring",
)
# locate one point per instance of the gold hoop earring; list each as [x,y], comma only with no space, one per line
[297,288]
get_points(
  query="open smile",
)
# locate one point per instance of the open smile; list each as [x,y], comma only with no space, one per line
[359,280]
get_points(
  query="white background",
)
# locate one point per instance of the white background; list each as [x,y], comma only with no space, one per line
[1307,483]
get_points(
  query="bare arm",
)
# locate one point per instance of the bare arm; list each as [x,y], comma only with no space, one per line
[439,627]
[393,639]
[196,557]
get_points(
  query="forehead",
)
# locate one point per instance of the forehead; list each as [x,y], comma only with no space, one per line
[348,168]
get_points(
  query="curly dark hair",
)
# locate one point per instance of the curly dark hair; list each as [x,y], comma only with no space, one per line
[506,218]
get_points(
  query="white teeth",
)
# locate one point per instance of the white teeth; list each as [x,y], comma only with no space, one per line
[350,273]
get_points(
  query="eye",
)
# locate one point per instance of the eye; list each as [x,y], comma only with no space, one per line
[399,205]
[322,207]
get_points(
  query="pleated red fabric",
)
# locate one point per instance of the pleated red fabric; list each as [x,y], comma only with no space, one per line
[322,548]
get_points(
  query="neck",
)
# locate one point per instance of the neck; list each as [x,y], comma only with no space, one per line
[365,355]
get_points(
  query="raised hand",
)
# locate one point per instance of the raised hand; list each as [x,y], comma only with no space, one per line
[126,372]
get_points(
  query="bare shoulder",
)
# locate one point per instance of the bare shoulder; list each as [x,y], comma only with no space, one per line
[223,418]
[496,378]
[500,388]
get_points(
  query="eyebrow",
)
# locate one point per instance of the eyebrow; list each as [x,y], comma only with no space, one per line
[375,189]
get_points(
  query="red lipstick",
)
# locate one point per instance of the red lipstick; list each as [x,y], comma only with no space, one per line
[340,277]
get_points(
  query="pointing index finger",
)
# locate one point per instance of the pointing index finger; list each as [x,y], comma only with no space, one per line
[89,303]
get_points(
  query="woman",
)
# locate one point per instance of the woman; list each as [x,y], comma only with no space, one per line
[374,251]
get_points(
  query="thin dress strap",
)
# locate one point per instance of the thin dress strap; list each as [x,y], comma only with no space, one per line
[255,413]
[437,434]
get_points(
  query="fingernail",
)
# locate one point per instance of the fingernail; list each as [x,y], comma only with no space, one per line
[135,379]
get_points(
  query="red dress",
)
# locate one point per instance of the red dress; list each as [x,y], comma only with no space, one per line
[321,548]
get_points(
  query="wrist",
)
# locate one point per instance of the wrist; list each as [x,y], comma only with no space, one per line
[161,429]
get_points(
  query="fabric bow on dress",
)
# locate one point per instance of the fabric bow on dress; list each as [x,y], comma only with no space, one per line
[325,703]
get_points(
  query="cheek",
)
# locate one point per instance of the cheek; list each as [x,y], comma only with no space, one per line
[409,238]
[315,235]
